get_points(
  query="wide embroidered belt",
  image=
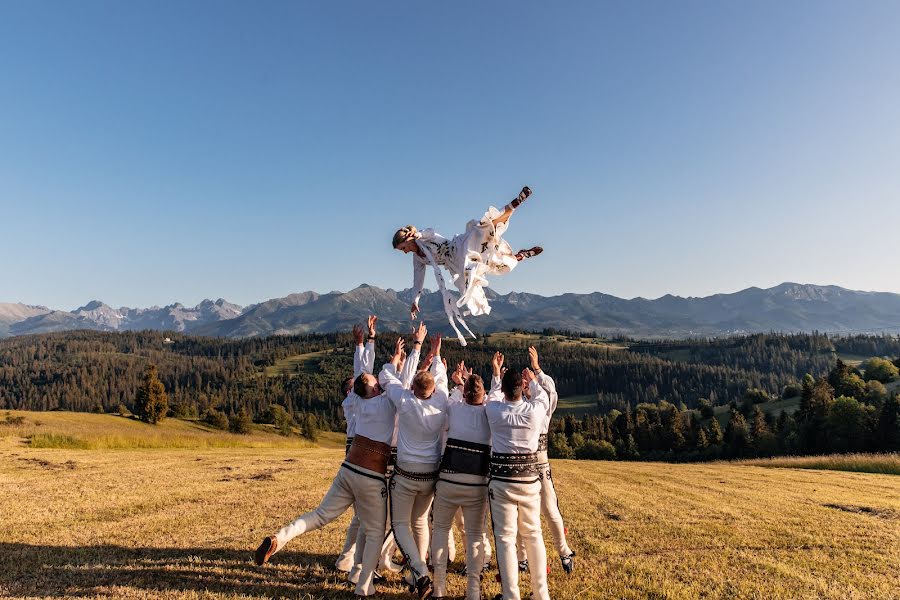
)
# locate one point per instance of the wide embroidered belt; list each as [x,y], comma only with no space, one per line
[470,458]
[369,454]
[349,443]
[542,443]
[514,465]
[416,476]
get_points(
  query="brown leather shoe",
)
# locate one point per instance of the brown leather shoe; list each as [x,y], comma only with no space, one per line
[530,253]
[265,550]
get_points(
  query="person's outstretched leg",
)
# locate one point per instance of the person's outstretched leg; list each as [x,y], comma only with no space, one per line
[338,499]
[510,208]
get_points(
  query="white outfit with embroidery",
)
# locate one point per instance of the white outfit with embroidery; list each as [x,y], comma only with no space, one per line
[470,258]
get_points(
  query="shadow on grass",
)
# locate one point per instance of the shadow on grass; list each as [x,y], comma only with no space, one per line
[31,570]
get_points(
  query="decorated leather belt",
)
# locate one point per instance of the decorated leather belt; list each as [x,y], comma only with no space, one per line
[514,465]
[349,443]
[542,443]
[416,476]
[393,460]
[369,454]
[470,458]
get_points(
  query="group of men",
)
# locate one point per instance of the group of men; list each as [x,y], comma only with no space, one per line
[416,449]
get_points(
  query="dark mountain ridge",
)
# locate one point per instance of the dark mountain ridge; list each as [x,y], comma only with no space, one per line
[789,307]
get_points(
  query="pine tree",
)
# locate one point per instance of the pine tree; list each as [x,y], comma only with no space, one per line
[887,431]
[714,433]
[151,402]
[239,422]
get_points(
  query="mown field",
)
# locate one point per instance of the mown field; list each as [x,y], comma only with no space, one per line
[181,523]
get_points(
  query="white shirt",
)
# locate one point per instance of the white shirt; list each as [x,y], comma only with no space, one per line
[349,407]
[516,426]
[419,422]
[363,362]
[467,422]
[550,387]
[376,418]
[364,359]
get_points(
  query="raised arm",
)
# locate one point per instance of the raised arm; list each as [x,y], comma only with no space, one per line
[368,357]
[418,285]
[359,352]
[495,394]
[412,361]
[390,382]
[545,381]
[439,367]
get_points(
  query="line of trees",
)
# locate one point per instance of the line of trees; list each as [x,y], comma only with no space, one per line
[656,399]
[847,410]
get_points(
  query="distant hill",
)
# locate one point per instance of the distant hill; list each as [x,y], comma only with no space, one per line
[788,307]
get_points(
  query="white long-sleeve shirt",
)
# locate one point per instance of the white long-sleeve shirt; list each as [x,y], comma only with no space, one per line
[349,406]
[549,386]
[376,418]
[364,359]
[419,422]
[516,426]
[467,422]
[363,362]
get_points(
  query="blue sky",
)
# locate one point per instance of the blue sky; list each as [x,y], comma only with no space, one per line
[153,152]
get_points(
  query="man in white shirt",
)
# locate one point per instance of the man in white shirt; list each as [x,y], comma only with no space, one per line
[363,362]
[420,422]
[360,481]
[462,483]
[549,500]
[514,490]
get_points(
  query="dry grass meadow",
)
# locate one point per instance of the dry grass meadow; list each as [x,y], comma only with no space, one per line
[180,522]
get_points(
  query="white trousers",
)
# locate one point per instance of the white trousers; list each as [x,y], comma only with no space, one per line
[410,506]
[364,488]
[550,511]
[344,562]
[452,493]
[516,509]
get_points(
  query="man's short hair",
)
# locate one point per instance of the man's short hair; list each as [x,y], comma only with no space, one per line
[512,384]
[359,386]
[346,386]
[469,388]
[423,384]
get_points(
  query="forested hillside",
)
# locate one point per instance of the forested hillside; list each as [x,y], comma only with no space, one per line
[640,388]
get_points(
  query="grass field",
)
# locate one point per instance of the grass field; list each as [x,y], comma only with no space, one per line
[292,364]
[577,406]
[888,464]
[180,523]
[85,431]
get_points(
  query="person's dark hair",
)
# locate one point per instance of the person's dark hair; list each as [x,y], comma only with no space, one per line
[346,386]
[512,384]
[359,386]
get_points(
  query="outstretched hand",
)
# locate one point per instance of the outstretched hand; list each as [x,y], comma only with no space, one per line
[421,332]
[528,376]
[399,353]
[458,376]
[426,364]
[413,311]
[497,363]
[371,323]
[436,344]
[533,356]
[358,335]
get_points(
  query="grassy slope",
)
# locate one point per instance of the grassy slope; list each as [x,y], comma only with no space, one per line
[181,524]
[859,463]
[305,362]
[93,431]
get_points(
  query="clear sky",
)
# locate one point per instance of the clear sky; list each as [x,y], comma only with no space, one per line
[153,152]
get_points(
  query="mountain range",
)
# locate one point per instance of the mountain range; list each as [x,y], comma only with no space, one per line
[786,308]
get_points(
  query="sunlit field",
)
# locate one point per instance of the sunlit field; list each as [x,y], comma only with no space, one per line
[888,464]
[176,522]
